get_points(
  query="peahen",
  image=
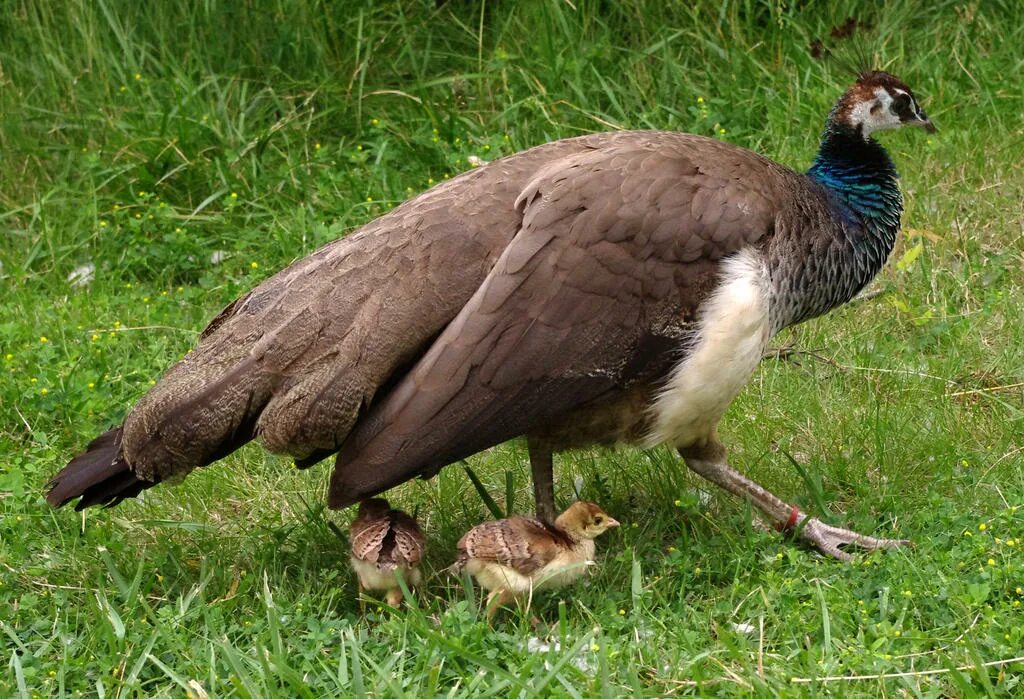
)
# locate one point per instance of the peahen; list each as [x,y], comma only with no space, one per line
[615,287]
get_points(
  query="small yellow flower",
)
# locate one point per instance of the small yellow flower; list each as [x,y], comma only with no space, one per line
[671,549]
[1011,542]
[117,207]
[44,391]
[991,561]
[152,382]
[117,323]
[42,338]
[1020,590]
[778,556]
[908,593]
[721,132]
[103,224]
[700,100]
[91,385]
[142,193]
[622,612]
[124,88]
[33,380]
[145,299]
[138,215]
[316,146]
[234,195]
[696,571]
[678,503]
[359,147]
[374,122]
[982,527]
[860,602]
[177,230]
[594,647]
[254,265]
[369,199]
[8,356]
[138,76]
[430,180]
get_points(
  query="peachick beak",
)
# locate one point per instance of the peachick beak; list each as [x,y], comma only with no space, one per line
[612,522]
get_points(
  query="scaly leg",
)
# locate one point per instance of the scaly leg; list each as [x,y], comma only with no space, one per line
[541,463]
[710,462]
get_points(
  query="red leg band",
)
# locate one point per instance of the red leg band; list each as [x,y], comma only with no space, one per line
[794,517]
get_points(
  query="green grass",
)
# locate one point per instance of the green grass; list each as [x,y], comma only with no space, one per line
[143,138]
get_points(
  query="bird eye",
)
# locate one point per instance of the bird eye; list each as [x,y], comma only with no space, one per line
[901,103]
[598,519]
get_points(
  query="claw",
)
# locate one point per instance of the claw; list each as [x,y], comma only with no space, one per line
[828,539]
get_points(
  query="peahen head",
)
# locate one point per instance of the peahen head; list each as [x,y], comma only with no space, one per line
[877,101]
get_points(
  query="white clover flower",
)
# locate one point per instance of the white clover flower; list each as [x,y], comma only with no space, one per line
[82,275]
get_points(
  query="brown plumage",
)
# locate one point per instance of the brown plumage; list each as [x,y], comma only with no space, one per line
[510,558]
[386,543]
[611,287]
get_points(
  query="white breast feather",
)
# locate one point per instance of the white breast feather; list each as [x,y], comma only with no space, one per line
[732,333]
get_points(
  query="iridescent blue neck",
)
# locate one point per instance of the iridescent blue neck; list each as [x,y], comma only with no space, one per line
[862,177]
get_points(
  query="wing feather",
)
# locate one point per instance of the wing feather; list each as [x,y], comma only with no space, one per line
[590,283]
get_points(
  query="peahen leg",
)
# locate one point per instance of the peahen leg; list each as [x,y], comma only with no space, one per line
[541,463]
[710,462]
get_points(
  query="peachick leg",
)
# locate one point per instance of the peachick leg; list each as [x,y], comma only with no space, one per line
[497,598]
[710,462]
[542,465]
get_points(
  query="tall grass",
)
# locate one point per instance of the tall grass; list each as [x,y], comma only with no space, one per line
[150,139]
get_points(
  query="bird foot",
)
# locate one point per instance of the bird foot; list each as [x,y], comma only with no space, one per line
[828,539]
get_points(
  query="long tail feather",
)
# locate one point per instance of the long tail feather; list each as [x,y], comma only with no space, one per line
[100,476]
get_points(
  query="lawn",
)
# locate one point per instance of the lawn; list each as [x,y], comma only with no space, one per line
[159,159]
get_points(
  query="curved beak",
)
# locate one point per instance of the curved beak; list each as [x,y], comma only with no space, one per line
[924,122]
[611,522]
